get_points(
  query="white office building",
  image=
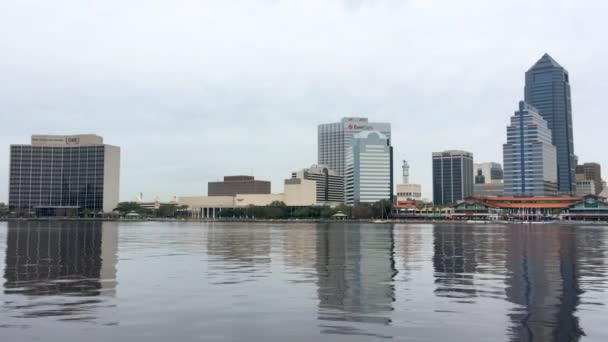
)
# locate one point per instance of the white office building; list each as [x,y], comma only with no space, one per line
[335,138]
[530,158]
[369,171]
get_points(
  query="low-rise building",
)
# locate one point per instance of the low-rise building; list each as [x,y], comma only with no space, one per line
[297,193]
[590,207]
[232,185]
[329,185]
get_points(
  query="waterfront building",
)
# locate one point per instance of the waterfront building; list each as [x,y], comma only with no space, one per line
[335,138]
[61,175]
[529,155]
[533,208]
[452,176]
[232,185]
[369,170]
[297,193]
[329,185]
[590,172]
[548,90]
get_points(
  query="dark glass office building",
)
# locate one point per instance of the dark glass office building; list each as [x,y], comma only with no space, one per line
[548,90]
[452,176]
[63,175]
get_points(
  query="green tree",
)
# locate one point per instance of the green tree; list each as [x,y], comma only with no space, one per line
[127,207]
[381,209]
[166,210]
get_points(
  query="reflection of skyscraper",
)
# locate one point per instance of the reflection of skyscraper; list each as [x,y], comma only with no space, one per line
[355,269]
[39,253]
[543,280]
[454,261]
[241,242]
[66,258]
[299,246]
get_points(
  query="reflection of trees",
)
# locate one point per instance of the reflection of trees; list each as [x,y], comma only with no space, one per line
[355,269]
[544,281]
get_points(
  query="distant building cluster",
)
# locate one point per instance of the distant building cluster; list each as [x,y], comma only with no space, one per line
[538,156]
[60,175]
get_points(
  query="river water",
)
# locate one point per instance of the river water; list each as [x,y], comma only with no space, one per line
[152,281]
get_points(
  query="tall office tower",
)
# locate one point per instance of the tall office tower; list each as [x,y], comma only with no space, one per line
[330,186]
[369,168]
[61,175]
[548,90]
[591,172]
[335,138]
[406,172]
[452,176]
[529,156]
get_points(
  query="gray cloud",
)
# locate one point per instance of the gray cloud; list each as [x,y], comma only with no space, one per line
[194,90]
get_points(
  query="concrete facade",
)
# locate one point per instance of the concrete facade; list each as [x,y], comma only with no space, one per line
[300,192]
[330,185]
[495,188]
[487,172]
[232,185]
[409,192]
[592,172]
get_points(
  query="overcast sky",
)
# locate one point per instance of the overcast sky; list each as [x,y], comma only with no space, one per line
[194,90]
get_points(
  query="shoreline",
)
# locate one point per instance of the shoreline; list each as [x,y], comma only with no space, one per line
[301,221]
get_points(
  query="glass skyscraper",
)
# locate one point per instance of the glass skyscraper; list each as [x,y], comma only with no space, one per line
[529,157]
[452,176]
[548,90]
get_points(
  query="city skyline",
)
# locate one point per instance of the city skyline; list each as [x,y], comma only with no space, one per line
[184,117]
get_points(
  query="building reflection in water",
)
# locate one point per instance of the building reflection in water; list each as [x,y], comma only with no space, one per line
[238,253]
[454,262]
[355,269]
[67,259]
[544,281]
